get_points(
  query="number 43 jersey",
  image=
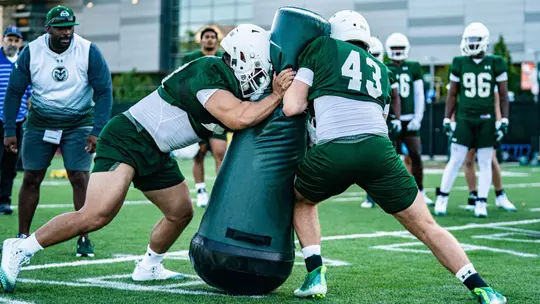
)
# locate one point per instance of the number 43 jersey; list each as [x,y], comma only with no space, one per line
[348,91]
[477,81]
[343,69]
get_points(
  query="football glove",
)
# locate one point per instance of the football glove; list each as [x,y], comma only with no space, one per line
[396,125]
[414,125]
[447,127]
[502,128]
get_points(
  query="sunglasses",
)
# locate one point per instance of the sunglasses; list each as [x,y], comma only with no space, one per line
[61,19]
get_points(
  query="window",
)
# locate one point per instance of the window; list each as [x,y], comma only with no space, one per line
[244,11]
[197,3]
[184,15]
[202,14]
[224,12]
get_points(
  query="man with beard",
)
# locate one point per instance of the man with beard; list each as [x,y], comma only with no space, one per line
[8,161]
[218,142]
[71,103]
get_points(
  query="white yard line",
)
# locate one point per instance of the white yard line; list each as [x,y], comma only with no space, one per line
[12,301]
[506,237]
[406,233]
[467,247]
[121,286]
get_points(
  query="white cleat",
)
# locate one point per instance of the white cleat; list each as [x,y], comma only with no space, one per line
[480,210]
[367,204]
[428,201]
[440,205]
[470,207]
[154,273]
[12,260]
[502,201]
[202,199]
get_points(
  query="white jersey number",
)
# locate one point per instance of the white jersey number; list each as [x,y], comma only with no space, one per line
[351,69]
[404,85]
[477,85]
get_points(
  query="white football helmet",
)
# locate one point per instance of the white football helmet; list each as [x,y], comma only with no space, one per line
[247,50]
[475,39]
[397,40]
[376,48]
[349,26]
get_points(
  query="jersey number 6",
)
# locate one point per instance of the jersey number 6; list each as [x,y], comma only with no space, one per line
[352,69]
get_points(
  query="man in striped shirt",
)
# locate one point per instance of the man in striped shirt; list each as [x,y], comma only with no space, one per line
[11,44]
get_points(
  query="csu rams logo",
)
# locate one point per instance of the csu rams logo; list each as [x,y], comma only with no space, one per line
[60,74]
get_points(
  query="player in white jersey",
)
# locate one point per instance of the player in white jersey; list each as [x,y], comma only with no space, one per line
[71,103]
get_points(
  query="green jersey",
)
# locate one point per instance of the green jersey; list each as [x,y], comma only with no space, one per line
[477,82]
[180,89]
[196,55]
[345,70]
[406,74]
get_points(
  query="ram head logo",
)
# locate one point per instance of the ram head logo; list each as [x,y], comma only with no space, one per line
[60,74]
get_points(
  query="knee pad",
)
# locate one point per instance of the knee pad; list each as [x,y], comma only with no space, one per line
[458,154]
[484,156]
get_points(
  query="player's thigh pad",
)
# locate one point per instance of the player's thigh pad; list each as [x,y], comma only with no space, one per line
[486,136]
[169,175]
[327,170]
[465,133]
[122,141]
[383,175]
[36,153]
[73,145]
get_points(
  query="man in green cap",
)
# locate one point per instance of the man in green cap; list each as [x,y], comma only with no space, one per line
[71,103]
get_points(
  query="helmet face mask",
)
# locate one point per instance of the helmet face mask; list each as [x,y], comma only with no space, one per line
[475,39]
[397,47]
[248,54]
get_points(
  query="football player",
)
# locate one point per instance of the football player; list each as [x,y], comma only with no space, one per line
[200,98]
[411,91]
[348,92]
[474,78]
[501,200]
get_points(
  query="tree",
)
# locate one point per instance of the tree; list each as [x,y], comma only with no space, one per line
[501,49]
[131,87]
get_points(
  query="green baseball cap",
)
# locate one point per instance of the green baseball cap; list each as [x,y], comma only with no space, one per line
[61,16]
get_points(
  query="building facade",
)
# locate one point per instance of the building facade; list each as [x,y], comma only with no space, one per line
[152,35]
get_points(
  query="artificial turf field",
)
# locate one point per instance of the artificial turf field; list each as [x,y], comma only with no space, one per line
[370,257]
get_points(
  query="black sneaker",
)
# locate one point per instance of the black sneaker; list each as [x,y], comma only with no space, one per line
[85,248]
[5,209]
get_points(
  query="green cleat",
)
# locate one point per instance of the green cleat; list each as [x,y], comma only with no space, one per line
[487,295]
[85,248]
[314,284]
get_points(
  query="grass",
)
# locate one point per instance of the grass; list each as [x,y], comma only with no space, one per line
[372,274]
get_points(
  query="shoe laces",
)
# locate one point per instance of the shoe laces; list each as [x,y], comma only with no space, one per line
[18,259]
